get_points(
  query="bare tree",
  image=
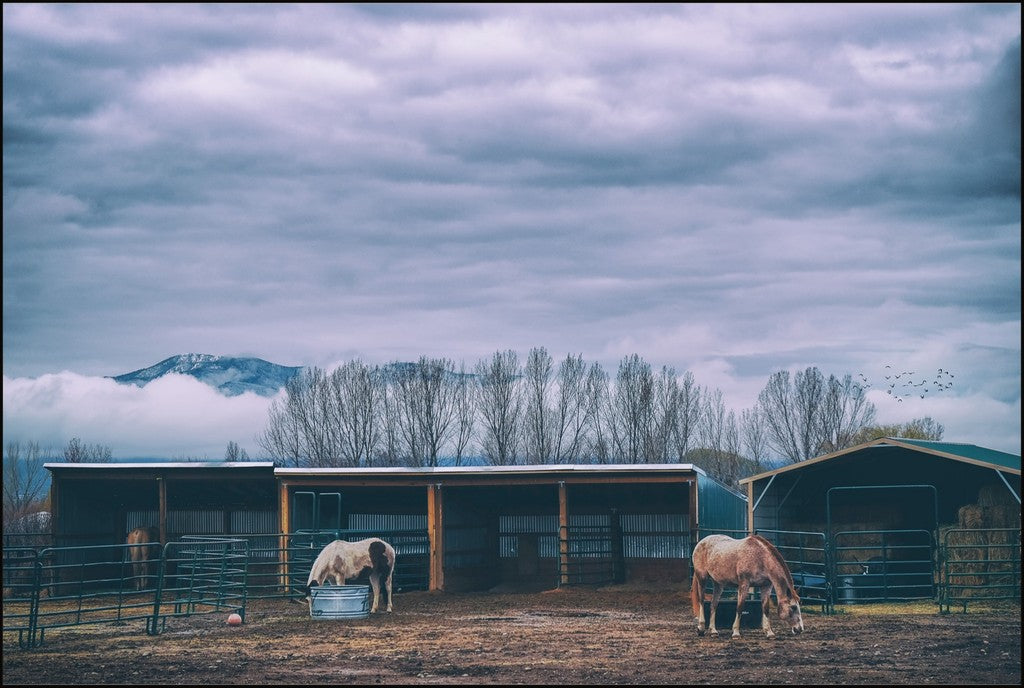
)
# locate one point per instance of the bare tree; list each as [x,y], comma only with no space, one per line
[812,415]
[917,429]
[598,387]
[390,452]
[299,426]
[284,435]
[688,415]
[632,410]
[465,414]
[712,433]
[425,396]
[665,414]
[78,452]
[538,418]
[24,484]
[732,462]
[235,453]
[844,411]
[576,408]
[499,384]
[923,429]
[357,392]
[406,404]
[790,409]
[754,438]
[437,385]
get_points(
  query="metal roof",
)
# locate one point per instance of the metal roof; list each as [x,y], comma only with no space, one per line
[967,453]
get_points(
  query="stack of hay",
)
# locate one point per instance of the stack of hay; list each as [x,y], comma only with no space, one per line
[984,544]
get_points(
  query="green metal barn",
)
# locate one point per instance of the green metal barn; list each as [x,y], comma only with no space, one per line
[896,519]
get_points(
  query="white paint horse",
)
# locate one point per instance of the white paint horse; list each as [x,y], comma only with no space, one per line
[144,550]
[342,561]
[743,563]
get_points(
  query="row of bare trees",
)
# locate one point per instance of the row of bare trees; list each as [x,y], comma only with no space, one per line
[507,412]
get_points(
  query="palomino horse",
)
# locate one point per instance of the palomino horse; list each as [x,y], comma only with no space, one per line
[145,541]
[341,561]
[750,561]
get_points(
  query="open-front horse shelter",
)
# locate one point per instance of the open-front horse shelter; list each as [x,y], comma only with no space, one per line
[893,517]
[454,528]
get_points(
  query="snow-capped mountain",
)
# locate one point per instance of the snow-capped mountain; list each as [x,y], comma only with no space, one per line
[228,374]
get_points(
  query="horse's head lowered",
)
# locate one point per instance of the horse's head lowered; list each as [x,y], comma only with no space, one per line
[789,613]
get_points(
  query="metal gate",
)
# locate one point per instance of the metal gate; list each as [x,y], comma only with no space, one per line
[979,565]
[593,555]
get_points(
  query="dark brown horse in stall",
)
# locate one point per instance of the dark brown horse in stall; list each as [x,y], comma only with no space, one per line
[145,548]
[743,563]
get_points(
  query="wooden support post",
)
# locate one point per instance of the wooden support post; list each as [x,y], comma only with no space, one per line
[435,533]
[284,527]
[161,485]
[563,531]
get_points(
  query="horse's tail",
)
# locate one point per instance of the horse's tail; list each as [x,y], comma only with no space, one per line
[696,594]
[379,558]
[382,565]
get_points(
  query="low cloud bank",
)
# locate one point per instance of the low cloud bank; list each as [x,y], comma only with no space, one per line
[173,417]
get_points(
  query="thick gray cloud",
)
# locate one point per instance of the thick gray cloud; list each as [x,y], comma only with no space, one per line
[730,190]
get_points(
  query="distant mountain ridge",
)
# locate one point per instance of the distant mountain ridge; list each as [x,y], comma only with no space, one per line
[230,375]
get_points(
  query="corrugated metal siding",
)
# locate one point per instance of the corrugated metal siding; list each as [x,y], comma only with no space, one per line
[545,526]
[465,547]
[389,522]
[719,509]
[664,536]
[196,522]
[390,526]
[138,519]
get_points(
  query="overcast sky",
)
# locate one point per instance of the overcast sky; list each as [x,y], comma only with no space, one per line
[728,190]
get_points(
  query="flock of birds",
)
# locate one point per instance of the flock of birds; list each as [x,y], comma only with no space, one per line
[902,385]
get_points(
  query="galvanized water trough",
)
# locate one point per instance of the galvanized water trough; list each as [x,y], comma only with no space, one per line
[340,601]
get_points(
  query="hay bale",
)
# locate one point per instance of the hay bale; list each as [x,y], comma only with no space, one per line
[967,555]
[970,516]
[1002,516]
[995,494]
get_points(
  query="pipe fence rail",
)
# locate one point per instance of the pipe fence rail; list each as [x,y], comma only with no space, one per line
[60,587]
[876,566]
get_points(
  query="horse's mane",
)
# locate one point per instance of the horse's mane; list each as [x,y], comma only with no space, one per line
[780,561]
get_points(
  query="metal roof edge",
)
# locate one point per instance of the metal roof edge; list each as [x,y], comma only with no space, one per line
[491,470]
[878,442]
[816,459]
[895,441]
[161,464]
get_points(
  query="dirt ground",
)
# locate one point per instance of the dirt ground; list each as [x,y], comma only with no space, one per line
[570,636]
